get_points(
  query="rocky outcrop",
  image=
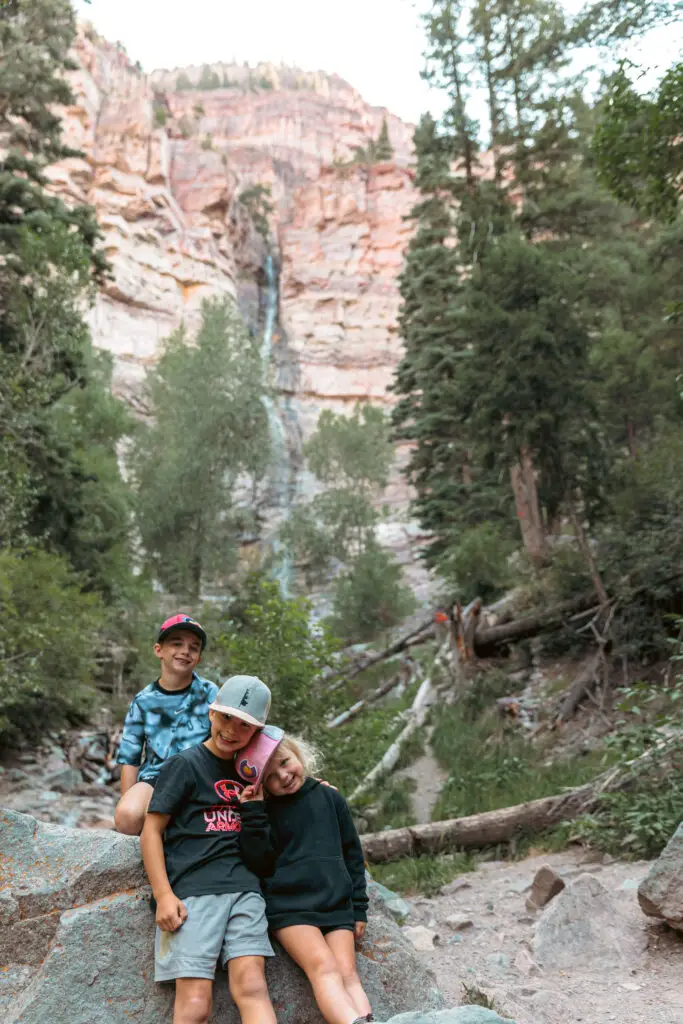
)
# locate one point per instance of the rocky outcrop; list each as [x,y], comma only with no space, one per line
[660,894]
[76,940]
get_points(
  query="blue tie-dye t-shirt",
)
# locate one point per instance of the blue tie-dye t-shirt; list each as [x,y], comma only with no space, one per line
[161,723]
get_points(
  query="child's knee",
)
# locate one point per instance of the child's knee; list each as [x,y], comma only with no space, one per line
[349,976]
[247,980]
[193,1007]
[128,821]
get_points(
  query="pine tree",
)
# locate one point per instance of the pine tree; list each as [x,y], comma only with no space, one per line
[384,151]
[209,432]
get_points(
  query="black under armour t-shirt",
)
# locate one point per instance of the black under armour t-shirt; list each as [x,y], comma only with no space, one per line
[201,842]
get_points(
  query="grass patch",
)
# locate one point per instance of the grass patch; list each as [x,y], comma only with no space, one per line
[413,876]
[491,765]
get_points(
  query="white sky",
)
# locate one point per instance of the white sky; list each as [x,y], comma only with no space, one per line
[376,45]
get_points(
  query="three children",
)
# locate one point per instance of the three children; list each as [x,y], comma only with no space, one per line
[212,847]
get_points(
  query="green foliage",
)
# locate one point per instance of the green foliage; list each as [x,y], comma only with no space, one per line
[209,79]
[640,820]
[384,151]
[368,596]
[207,142]
[210,428]
[491,766]
[475,563]
[638,146]
[272,637]
[414,876]
[257,201]
[395,808]
[48,637]
[475,996]
[183,83]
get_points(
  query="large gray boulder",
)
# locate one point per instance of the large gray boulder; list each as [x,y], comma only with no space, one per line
[584,924]
[660,894]
[76,940]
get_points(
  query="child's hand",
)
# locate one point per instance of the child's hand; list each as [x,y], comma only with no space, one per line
[359,930]
[254,792]
[323,783]
[171,912]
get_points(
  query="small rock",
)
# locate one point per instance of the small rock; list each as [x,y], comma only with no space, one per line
[629,884]
[631,986]
[525,963]
[422,938]
[545,886]
[66,779]
[458,923]
[457,885]
[498,961]
[452,940]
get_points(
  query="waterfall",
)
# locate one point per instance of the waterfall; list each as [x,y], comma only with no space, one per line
[281,473]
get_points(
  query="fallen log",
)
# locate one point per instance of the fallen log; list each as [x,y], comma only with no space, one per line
[420,635]
[479,830]
[490,641]
[404,675]
[584,682]
[417,715]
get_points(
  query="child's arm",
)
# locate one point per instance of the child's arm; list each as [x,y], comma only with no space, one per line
[130,746]
[256,839]
[171,912]
[355,862]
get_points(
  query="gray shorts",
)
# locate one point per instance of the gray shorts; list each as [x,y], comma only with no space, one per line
[230,925]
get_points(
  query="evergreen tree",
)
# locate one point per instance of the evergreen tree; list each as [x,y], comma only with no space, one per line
[384,151]
[196,464]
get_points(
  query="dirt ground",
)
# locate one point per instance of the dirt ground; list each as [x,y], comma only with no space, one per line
[495,953]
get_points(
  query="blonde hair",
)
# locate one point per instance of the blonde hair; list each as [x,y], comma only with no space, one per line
[304,751]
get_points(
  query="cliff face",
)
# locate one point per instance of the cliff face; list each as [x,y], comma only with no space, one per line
[165,169]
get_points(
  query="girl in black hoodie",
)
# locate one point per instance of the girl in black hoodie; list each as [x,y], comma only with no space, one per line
[303,844]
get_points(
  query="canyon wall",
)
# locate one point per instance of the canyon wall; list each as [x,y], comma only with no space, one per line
[166,169]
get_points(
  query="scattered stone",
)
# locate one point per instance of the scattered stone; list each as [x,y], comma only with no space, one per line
[68,898]
[459,923]
[584,924]
[525,963]
[66,779]
[452,940]
[545,886]
[631,986]
[629,884]
[498,961]
[457,885]
[422,938]
[660,894]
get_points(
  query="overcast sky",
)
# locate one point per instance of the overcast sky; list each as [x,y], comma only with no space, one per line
[376,45]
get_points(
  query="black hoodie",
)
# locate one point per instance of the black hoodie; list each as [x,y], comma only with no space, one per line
[306,850]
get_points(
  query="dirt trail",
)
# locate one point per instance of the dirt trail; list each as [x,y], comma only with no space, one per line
[429,778]
[495,952]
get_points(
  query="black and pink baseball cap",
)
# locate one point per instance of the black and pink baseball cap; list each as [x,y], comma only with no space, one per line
[181,622]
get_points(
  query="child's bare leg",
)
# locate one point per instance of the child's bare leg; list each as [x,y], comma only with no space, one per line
[129,816]
[193,998]
[306,945]
[343,946]
[248,988]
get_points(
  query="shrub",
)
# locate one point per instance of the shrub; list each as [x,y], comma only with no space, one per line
[476,564]
[272,637]
[369,597]
[48,642]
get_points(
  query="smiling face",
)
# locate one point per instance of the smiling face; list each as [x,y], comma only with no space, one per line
[228,734]
[179,653]
[285,773]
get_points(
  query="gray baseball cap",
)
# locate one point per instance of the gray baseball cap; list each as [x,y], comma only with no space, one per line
[245,697]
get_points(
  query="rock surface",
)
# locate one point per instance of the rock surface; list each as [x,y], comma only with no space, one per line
[660,894]
[546,884]
[76,942]
[458,1015]
[584,924]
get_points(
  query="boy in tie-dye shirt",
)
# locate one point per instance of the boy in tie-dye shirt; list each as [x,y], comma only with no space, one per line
[166,717]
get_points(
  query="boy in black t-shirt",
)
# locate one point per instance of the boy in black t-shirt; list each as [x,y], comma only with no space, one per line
[208,902]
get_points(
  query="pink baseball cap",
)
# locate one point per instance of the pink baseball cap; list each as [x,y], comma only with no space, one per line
[252,760]
[181,622]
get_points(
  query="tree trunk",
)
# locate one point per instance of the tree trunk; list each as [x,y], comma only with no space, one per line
[523,480]
[478,830]
[488,642]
